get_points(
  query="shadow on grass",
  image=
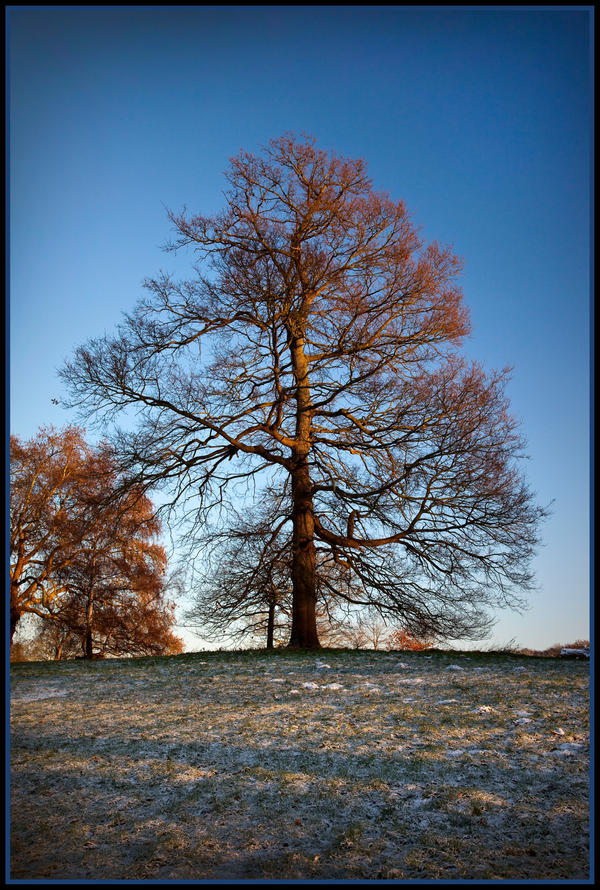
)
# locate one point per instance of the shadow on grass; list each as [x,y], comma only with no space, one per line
[211,811]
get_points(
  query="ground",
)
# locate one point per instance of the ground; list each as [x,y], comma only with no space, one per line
[315,766]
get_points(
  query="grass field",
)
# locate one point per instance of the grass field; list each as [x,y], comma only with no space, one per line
[332,765]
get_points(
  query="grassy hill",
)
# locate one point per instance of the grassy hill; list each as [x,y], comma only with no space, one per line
[339,765]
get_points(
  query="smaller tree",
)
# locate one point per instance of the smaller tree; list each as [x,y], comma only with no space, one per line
[116,584]
[355,636]
[377,632]
[364,630]
[243,590]
[84,550]
[53,641]
[47,477]
[142,626]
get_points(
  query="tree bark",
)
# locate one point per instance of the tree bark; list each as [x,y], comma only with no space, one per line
[270,625]
[88,650]
[304,587]
[15,615]
[304,581]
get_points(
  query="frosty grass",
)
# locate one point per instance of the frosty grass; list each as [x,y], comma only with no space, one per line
[316,766]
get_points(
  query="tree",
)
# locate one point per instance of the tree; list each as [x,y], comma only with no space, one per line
[116,586]
[242,590]
[116,581]
[139,623]
[46,476]
[50,640]
[84,553]
[376,632]
[363,630]
[316,350]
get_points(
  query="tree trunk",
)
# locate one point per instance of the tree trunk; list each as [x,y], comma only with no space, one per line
[270,625]
[88,650]
[304,581]
[304,586]
[14,620]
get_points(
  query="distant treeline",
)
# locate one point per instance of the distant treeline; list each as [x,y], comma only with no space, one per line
[553,651]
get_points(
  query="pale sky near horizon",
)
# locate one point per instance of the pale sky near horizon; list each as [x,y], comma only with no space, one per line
[479,118]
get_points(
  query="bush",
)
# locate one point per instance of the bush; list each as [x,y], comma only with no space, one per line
[402,639]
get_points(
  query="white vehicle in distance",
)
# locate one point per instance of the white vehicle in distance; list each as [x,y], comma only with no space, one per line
[575,653]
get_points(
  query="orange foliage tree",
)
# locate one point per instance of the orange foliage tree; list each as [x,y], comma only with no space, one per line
[45,479]
[401,639]
[332,374]
[84,552]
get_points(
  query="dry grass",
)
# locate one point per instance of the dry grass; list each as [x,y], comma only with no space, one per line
[226,765]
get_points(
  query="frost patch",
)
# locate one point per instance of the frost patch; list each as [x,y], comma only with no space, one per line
[567,750]
[43,692]
[138,774]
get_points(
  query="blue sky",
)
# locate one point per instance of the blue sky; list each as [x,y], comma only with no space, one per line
[480,119]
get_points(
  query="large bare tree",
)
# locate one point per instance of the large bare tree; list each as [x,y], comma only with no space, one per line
[316,347]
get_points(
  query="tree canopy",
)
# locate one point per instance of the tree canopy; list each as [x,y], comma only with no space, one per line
[85,554]
[316,350]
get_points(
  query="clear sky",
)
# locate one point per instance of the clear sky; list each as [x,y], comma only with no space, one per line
[480,119]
